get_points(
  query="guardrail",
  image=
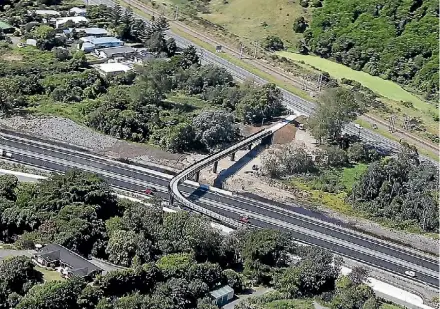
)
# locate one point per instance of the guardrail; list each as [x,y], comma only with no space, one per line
[194,168]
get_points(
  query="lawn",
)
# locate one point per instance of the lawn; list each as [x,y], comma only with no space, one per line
[382,87]
[49,275]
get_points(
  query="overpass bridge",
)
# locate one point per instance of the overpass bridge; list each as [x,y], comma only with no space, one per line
[193,171]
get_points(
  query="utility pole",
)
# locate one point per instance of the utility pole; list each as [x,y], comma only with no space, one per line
[176,15]
[241,50]
[201,56]
[255,50]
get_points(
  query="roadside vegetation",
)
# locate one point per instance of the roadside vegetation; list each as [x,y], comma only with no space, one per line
[178,104]
[355,179]
[172,260]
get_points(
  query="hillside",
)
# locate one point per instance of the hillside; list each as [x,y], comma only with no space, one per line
[396,39]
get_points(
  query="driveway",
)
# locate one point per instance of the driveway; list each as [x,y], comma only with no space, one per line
[4,253]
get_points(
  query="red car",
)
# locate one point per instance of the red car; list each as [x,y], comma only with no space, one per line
[150,191]
[244,219]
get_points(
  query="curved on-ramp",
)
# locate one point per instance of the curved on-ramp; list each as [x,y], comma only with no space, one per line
[176,195]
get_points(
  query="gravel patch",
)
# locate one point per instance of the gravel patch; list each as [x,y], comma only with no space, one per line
[60,129]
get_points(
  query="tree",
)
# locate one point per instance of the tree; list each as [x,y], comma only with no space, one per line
[8,184]
[358,275]
[209,273]
[184,232]
[273,43]
[18,275]
[260,104]
[61,54]
[175,265]
[89,297]
[299,25]
[338,106]
[288,160]
[53,295]
[171,47]
[336,157]
[123,246]
[234,280]
[215,129]
[45,37]
[175,292]
[121,282]
[189,57]
[145,220]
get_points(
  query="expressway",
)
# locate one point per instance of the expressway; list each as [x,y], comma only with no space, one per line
[291,101]
[347,243]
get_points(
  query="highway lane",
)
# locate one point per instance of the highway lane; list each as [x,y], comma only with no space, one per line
[141,178]
[290,100]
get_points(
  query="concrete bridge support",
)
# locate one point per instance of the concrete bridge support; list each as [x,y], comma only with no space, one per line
[197,176]
[215,167]
[171,199]
[232,156]
[266,141]
[249,147]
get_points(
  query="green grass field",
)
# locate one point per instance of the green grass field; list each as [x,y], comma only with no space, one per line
[290,304]
[382,87]
[254,20]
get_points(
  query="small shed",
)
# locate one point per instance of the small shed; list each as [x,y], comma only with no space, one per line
[31,42]
[112,69]
[222,296]
[6,28]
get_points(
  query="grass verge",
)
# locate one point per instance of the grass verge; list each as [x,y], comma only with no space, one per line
[290,304]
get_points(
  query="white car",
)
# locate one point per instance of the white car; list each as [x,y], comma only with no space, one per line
[410,273]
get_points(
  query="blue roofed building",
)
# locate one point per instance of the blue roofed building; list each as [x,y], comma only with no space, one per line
[105,42]
[93,32]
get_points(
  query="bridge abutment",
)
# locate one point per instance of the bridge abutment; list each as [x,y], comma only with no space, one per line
[232,156]
[266,141]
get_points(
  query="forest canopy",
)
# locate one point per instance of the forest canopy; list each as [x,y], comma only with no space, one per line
[395,39]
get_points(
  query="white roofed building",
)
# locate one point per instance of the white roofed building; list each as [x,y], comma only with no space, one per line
[49,13]
[111,69]
[75,19]
[78,11]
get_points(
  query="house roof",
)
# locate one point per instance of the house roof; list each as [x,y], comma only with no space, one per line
[75,19]
[113,67]
[224,290]
[93,31]
[47,12]
[4,25]
[77,10]
[105,39]
[117,50]
[79,265]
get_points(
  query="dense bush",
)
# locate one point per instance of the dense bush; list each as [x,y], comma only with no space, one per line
[396,40]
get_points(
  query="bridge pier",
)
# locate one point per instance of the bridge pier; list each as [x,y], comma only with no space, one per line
[196,176]
[215,167]
[249,147]
[232,156]
[171,199]
[266,141]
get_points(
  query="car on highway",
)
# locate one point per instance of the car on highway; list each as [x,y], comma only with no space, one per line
[150,191]
[244,219]
[410,273]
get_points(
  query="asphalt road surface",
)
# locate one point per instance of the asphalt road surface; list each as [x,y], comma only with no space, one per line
[310,230]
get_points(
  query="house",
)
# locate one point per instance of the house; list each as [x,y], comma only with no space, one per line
[74,19]
[6,28]
[105,42]
[114,52]
[222,296]
[70,263]
[92,32]
[87,47]
[46,13]
[75,11]
[112,69]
